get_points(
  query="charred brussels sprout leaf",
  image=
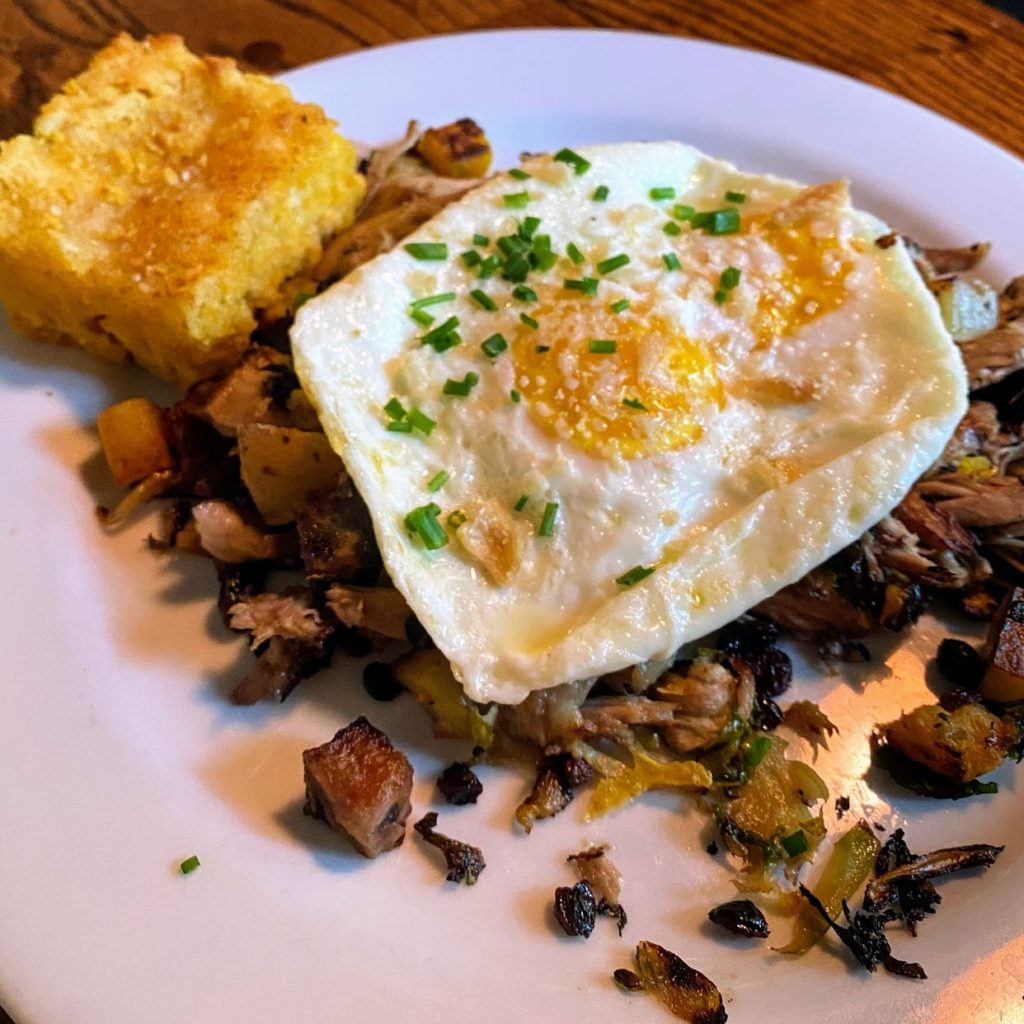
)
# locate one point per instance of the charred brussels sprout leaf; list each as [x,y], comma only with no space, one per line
[741,917]
[686,992]
[576,909]
[464,862]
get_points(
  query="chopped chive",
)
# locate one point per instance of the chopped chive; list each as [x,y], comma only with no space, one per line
[525,294]
[515,200]
[635,575]
[528,320]
[482,299]
[663,192]
[528,227]
[613,263]
[547,521]
[438,480]
[542,349]
[487,268]
[671,261]
[519,174]
[602,346]
[601,193]
[579,164]
[671,228]
[189,865]
[400,427]
[481,240]
[515,396]
[441,337]
[735,197]
[701,220]
[724,222]
[635,403]
[587,285]
[521,503]
[573,252]
[721,295]
[620,306]
[512,245]
[395,409]
[427,250]
[421,421]
[432,300]
[494,345]
[422,317]
[543,258]
[423,522]
[730,278]
[756,751]
[470,258]
[461,388]
[681,211]
[456,518]
[795,843]
[516,268]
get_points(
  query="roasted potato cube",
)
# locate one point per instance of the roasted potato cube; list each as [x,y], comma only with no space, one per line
[969,307]
[134,440]
[281,465]
[456,150]
[1004,677]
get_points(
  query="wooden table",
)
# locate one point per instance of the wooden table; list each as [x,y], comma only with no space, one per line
[962,58]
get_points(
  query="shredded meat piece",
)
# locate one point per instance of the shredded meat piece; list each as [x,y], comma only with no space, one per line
[381,610]
[379,163]
[995,354]
[281,666]
[236,582]
[360,785]
[547,717]
[956,261]
[595,867]
[289,615]
[336,537]
[978,433]
[813,606]
[226,536]
[973,501]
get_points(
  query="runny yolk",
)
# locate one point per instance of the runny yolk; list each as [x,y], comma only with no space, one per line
[581,396]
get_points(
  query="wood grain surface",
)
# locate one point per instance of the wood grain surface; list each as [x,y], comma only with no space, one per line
[961,58]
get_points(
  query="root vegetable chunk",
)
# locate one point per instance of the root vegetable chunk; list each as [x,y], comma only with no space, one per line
[1004,677]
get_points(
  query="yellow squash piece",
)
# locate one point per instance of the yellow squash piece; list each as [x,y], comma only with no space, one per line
[456,150]
[626,783]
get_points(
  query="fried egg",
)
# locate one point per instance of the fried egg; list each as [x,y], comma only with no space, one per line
[608,401]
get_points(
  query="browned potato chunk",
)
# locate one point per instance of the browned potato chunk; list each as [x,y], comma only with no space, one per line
[281,465]
[1004,677]
[961,744]
[456,150]
[134,443]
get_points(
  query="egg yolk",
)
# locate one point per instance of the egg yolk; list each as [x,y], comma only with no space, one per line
[645,396]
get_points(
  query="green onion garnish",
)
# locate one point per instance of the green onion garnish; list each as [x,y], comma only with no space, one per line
[438,480]
[516,268]
[542,349]
[519,174]
[683,212]
[601,193]
[579,164]
[735,197]
[602,346]
[488,267]
[515,200]
[421,421]
[527,228]
[189,865]
[456,518]
[427,250]
[521,503]
[470,258]
[513,245]
[400,427]
[756,751]
[422,317]
[573,252]
[443,336]
[635,575]
[730,278]
[547,521]
[663,192]
[529,321]
[724,222]
[515,396]
[587,285]
[461,388]
[395,409]
[721,295]
[481,240]
[620,306]
[635,403]
[423,522]
[494,345]
[671,261]
[671,228]
[612,263]
[432,300]
[795,843]
[543,258]
[482,299]
[525,294]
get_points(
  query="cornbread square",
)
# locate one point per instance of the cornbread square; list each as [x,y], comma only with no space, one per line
[160,200]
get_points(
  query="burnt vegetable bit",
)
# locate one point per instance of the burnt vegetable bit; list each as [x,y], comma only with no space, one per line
[690,995]
[459,784]
[464,862]
[908,900]
[558,775]
[576,909]
[595,867]
[741,917]
[960,664]
[807,719]
[380,683]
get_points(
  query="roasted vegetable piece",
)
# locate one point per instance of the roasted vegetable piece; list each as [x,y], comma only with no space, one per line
[806,718]
[646,773]
[596,869]
[381,611]
[428,677]
[1004,677]
[553,790]
[456,150]
[685,991]
[968,307]
[459,784]
[134,440]
[464,862]
[741,917]
[960,744]
[336,537]
[281,465]
[849,863]
[576,909]
[908,899]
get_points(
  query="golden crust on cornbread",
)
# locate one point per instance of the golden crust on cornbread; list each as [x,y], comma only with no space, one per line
[161,198]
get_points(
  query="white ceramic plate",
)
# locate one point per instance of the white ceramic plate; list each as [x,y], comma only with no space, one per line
[120,756]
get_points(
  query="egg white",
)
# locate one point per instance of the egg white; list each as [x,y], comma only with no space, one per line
[771,487]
